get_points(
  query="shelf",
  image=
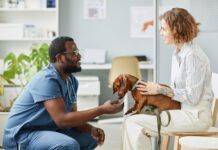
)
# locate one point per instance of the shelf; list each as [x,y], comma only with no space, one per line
[26,39]
[107,66]
[28,9]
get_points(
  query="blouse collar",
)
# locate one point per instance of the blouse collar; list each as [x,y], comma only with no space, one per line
[185,48]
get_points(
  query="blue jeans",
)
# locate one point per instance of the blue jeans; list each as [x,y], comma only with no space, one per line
[65,139]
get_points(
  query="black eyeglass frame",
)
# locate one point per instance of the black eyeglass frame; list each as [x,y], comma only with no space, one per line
[75,52]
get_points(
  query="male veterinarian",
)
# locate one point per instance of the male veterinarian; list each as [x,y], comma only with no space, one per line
[45,117]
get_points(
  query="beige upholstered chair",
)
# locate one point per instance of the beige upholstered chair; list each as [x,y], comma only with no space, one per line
[212,131]
[124,65]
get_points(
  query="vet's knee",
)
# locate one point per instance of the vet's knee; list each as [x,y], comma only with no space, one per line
[66,145]
[87,142]
[92,144]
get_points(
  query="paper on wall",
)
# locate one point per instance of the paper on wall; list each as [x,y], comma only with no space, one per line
[94,9]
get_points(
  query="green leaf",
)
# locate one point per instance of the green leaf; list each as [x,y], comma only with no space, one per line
[10,59]
[39,56]
[26,65]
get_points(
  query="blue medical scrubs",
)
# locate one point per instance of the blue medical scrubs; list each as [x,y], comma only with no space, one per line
[31,127]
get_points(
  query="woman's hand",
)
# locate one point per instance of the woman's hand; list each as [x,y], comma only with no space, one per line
[98,135]
[151,88]
[148,88]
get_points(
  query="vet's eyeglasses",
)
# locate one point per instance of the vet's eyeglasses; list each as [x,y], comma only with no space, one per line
[73,53]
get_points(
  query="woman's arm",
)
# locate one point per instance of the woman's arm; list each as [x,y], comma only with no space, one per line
[194,82]
[161,89]
[151,88]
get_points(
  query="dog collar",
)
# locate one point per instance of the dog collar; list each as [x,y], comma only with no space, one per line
[134,86]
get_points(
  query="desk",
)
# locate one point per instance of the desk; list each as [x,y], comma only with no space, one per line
[143,65]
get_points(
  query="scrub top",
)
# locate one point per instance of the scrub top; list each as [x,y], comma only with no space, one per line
[28,112]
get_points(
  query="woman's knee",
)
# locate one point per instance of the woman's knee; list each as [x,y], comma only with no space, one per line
[129,121]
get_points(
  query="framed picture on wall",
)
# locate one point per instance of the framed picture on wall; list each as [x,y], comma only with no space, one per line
[141,22]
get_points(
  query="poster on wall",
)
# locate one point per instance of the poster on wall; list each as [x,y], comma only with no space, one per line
[141,22]
[94,9]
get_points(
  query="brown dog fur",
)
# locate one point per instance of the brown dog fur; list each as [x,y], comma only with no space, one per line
[124,83]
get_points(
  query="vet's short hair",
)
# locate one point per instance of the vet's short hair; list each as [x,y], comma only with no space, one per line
[182,24]
[58,46]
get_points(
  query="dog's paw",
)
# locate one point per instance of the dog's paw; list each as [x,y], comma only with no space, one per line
[134,112]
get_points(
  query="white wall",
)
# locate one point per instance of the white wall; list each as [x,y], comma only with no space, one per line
[112,33]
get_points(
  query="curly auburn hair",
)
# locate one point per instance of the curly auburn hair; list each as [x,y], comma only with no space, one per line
[182,24]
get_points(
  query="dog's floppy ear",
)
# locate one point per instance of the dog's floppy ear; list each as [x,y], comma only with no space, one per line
[123,80]
[119,82]
[115,86]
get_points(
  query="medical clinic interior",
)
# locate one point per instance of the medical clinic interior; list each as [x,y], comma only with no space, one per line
[108,74]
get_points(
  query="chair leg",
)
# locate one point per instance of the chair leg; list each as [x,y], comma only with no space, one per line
[177,146]
[165,142]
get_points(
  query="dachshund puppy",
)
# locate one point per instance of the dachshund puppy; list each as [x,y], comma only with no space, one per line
[124,83]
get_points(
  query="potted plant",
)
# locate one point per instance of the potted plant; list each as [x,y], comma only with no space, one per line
[19,70]
[3,108]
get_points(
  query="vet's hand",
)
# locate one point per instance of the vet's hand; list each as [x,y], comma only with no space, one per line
[112,106]
[98,135]
[148,88]
[117,101]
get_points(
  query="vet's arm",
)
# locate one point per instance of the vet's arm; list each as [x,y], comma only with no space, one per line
[151,88]
[97,133]
[63,119]
[84,127]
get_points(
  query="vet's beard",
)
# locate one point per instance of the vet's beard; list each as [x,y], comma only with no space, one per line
[72,69]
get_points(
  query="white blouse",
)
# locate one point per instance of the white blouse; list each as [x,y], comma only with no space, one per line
[191,75]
